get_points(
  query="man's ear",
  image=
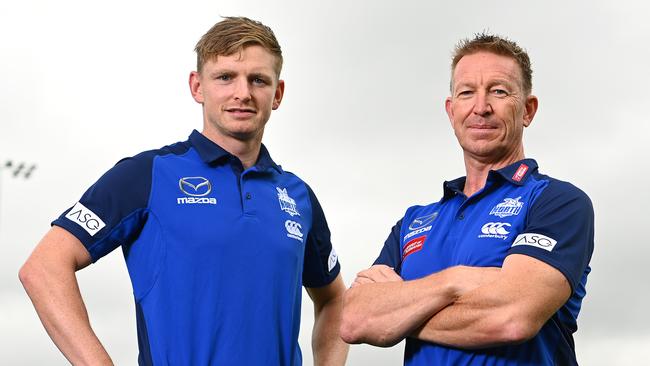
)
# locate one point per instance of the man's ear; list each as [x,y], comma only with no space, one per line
[450,111]
[279,93]
[530,109]
[195,87]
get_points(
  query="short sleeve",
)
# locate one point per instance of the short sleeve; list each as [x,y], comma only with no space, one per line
[390,253]
[559,230]
[321,264]
[113,210]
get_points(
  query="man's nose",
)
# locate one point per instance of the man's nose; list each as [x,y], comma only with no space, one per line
[242,90]
[482,104]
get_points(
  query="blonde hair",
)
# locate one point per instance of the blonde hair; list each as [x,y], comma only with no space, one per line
[231,36]
[497,45]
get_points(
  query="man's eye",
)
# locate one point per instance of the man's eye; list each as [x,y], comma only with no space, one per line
[464,93]
[259,81]
[499,92]
[224,77]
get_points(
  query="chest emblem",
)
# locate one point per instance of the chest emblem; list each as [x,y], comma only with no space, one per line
[195,189]
[413,246]
[293,230]
[195,186]
[509,207]
[422,221]
[287,204]
[497,230]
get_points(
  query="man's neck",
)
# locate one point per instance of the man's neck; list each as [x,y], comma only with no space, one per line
[247,151]
[477,170]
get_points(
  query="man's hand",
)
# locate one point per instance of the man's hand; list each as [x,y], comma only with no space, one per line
[376,274]
[381,309]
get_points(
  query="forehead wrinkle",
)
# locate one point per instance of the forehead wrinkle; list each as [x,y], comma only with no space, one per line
[487,62]
[488,79]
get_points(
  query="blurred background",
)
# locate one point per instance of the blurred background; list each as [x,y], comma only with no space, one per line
[83,84]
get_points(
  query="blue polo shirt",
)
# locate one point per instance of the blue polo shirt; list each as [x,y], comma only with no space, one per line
[217,254]
[519,211]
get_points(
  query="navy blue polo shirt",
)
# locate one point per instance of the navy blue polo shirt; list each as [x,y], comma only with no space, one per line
[217,254]
[519,211]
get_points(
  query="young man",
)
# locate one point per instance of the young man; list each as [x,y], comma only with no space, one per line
[495,272]
[217,238]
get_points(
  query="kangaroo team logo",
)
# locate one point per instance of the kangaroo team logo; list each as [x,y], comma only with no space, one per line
[509,207]
[287,204]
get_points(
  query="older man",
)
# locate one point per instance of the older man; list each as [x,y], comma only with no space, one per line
[494,273]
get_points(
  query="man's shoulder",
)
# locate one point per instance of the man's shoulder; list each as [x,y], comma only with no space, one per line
[176,148]
[422,213]
[289,176]
[560,193]
[145,159]
[555,186]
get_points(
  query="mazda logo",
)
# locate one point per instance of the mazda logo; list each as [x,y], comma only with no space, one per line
[195,186]
[423,221]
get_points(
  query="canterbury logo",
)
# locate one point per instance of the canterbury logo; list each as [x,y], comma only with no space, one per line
[195,186]
[495,228]
[293,228]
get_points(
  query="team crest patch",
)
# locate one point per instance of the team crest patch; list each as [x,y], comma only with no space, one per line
[509,207]
[287,204]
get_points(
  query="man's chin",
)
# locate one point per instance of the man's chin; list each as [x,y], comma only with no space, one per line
[244,136]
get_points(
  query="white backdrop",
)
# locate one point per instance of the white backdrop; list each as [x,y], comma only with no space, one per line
[85,83]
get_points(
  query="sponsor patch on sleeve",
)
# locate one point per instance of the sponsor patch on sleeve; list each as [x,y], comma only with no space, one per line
[535,240]
[85,218]
[333,259]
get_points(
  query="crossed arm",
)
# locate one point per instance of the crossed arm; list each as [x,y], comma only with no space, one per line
[466,307]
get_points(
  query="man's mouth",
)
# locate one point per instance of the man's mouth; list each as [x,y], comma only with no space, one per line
[240,110]
[243,113]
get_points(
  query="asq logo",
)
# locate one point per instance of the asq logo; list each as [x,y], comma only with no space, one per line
[195,186]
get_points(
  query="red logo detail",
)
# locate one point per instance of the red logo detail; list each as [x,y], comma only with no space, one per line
[413,246]
[519,174]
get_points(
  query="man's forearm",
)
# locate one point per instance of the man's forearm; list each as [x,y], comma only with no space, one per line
[382,314]
[50,281]
[508,310]
[474,321]
[327,346]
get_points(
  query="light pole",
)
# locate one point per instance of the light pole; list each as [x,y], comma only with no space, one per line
[17,170]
